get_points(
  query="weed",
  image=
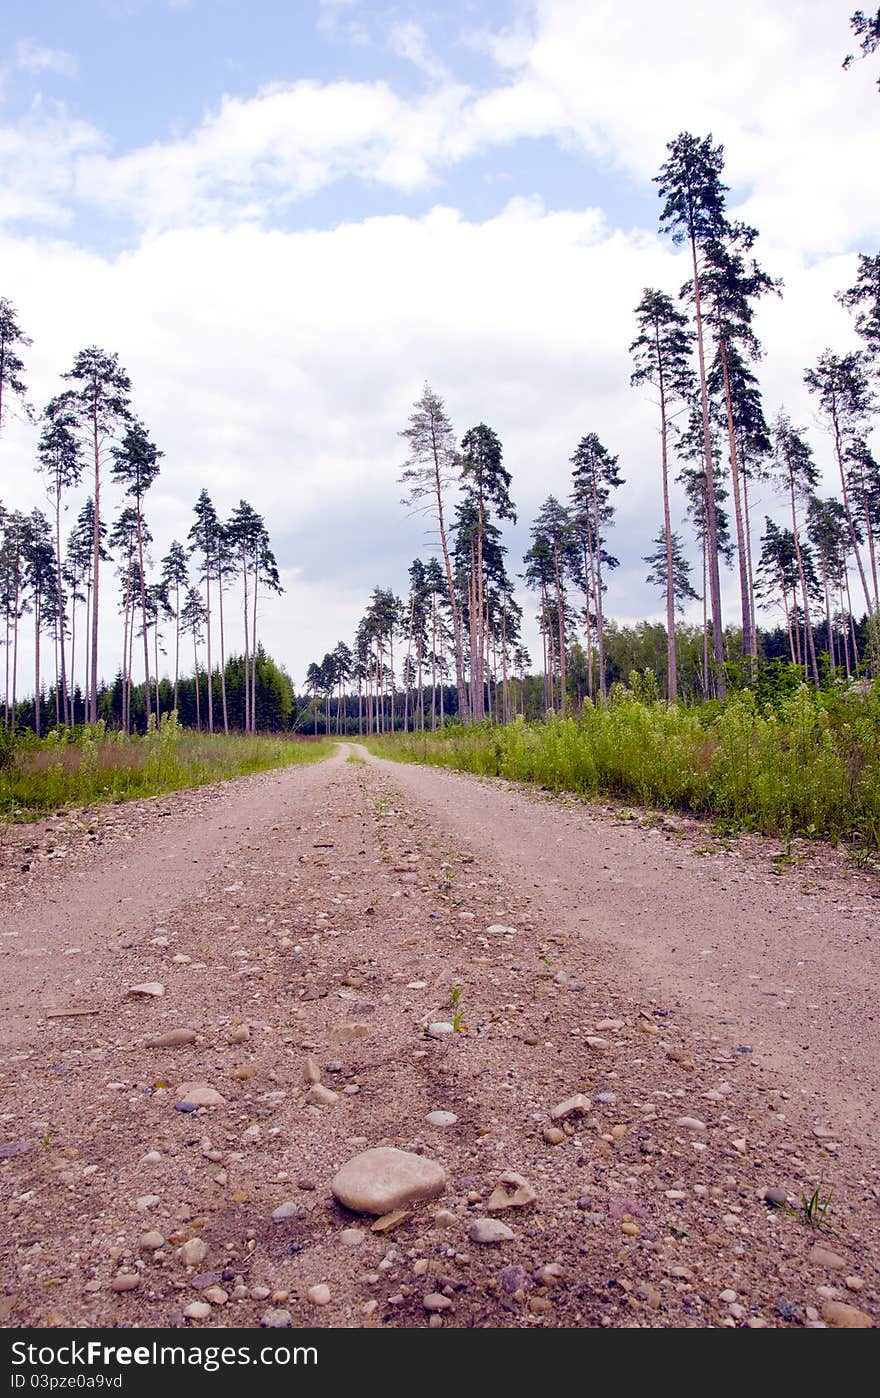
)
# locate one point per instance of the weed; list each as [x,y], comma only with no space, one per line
[789,763]
[458,1023]
[100,765]
[813,1209]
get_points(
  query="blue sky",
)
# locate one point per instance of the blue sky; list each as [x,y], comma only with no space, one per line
[286,216]
[145,71]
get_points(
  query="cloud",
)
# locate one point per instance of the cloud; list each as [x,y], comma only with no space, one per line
[282,366]
[408,40]
[38,162]
[280,146]
[34,57]
[615,84]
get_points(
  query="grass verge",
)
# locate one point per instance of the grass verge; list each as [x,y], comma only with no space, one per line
[809,766]
[97,765]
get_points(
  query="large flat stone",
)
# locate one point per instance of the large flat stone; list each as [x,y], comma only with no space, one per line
[381,1180]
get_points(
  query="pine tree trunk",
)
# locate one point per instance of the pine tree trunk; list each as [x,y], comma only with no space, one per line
[853,537]
[714,574]
[788,626]
[247,687]
[453,600]
[745,599]
[504,677]
[433,663]
[705,621]
[61,609]
[808,626]
[125,625]
[745,486]
[829,629]
[140,540]
[96,566]
[222,647]
[156,672]
[254,650]
[208,635]
[593,548]
[671,667]
[196,671]
[560,612]
[73,656]
[87,627]
[176,646]
[37,619]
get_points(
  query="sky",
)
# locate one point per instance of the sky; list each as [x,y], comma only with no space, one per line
[286,217]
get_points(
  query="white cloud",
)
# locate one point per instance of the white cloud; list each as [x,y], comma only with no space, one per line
[38,162]
[408,40]
[34,57]
[799,133]
[281,367]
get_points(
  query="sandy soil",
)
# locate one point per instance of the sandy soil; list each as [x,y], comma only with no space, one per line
[717,1004]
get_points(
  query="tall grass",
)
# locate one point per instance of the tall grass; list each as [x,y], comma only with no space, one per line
[99,765]
[808,765]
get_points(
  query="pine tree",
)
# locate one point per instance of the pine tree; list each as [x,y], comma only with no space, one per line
[430,468]
[799,477]
[204,537]
[486,485]
[863,297]
[732,282]
[595,475]
[693,213]
[101,402]
[13,598]
[192,622]
[175,576]
[829,535]
[549,565]
[662,353]
[778,575]
[136,466]
[42,585]
[60,459]
[12,337]
[866,28]
[840,383]
[682,588]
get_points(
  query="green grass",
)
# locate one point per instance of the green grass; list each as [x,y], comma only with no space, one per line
[97,765]
[808,765]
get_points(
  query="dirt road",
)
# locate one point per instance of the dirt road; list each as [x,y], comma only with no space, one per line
[715,1006]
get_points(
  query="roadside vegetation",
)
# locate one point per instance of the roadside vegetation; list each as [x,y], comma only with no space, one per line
[79,767]
[806,764]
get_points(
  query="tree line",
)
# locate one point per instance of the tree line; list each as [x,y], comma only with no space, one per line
[697,352]
[89,430]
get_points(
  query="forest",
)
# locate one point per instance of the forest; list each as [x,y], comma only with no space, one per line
[697,353]
[450,647]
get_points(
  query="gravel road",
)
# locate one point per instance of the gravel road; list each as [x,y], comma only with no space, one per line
[711,1007]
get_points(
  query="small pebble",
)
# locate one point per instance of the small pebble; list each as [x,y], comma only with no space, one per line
[435,1302]
[490,1230]
[197,1310]
[276,1320]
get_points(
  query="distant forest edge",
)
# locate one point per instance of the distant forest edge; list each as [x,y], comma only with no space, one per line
[452,646]
[635,658]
